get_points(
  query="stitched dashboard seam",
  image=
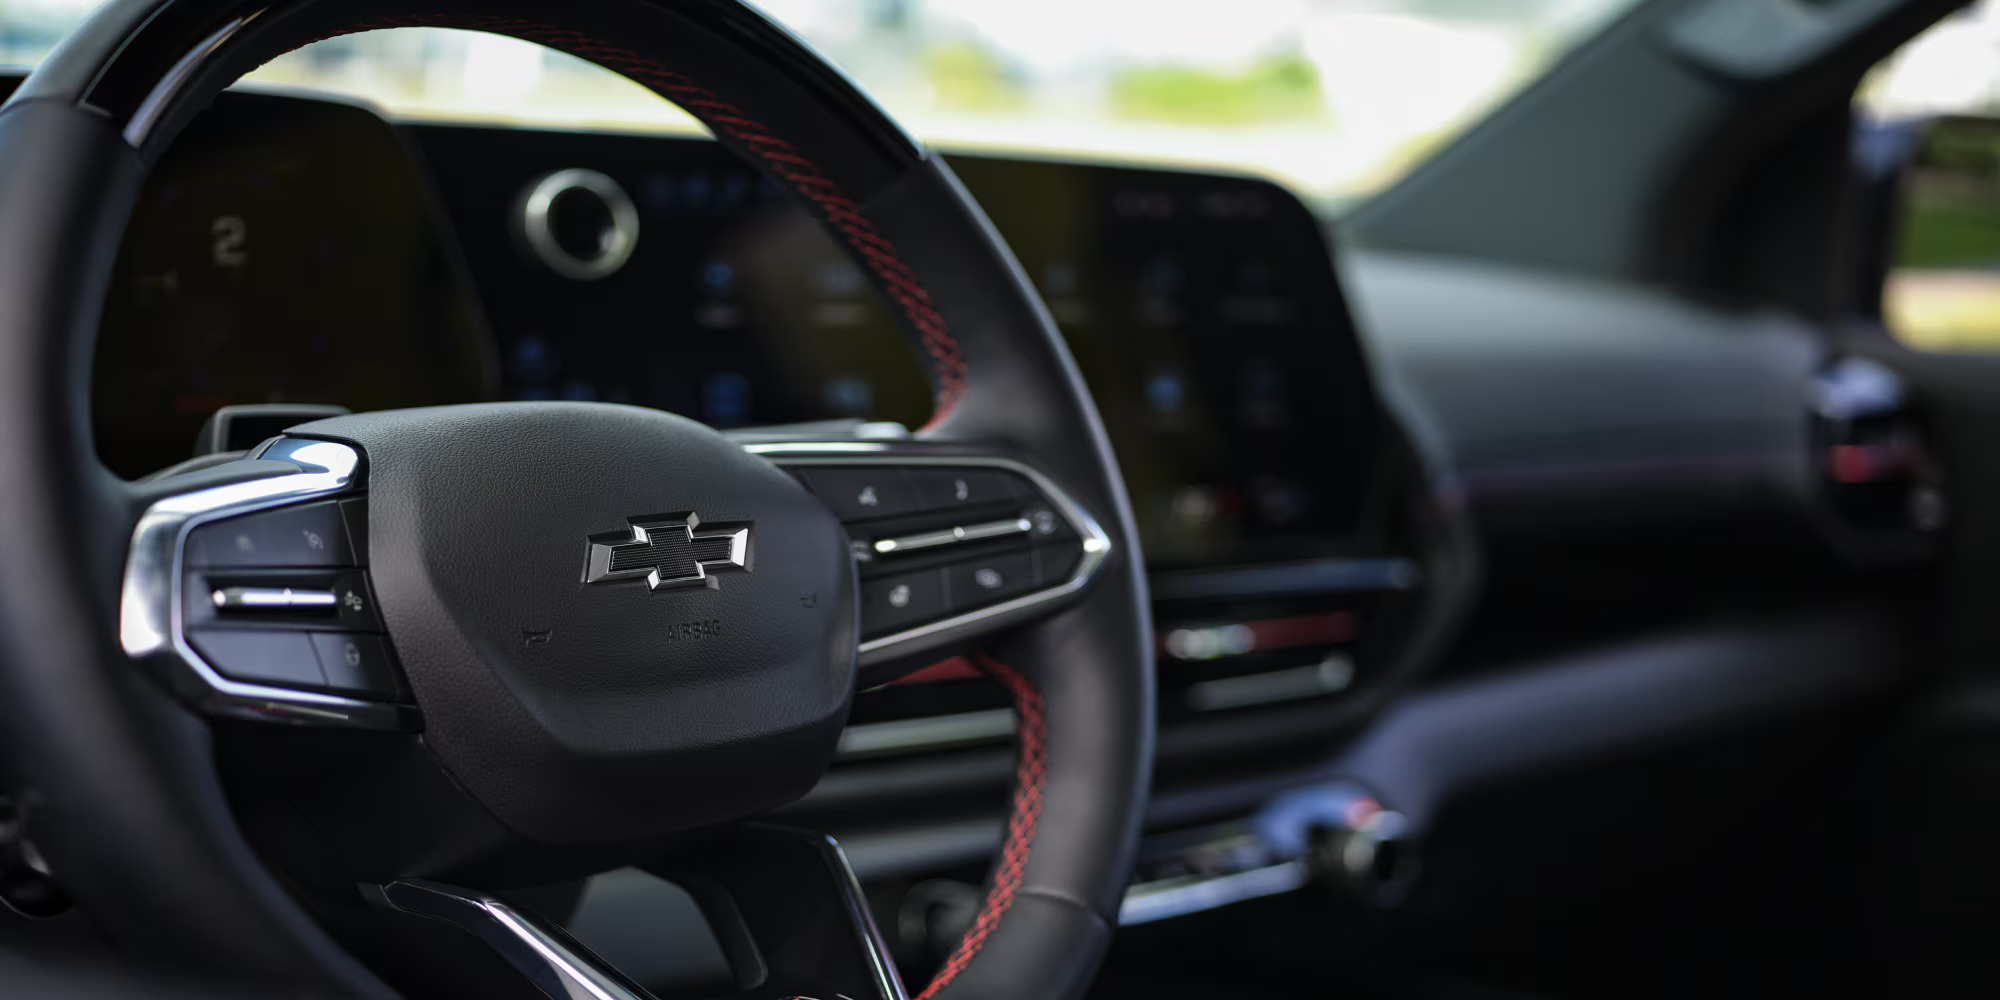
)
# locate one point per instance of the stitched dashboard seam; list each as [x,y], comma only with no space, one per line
[948,366]
[1030,778]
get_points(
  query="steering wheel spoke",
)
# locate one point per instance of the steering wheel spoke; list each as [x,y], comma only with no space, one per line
[782,903]
[953,543]
[543,953]
[788,913]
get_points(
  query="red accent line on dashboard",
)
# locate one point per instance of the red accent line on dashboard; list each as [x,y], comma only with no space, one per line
[958,668]
[1303,630]
[1277,633]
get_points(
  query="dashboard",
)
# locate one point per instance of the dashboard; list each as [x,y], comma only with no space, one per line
[300,252]
[1307,486]
[288,251]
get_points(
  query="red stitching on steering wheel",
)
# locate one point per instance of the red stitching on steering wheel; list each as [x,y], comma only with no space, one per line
[1030,777]
[724,119]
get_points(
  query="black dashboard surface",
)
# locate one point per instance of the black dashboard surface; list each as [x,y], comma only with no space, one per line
[294,250]
[334,257]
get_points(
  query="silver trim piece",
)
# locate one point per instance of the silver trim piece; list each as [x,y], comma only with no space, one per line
[150,606]
[1331,675]
[1095,543]
[558,965]
[143,120]
[880,961]
[262,598]
[1150,901]
[932,732]
[953,536]
[617,244]
[824,447]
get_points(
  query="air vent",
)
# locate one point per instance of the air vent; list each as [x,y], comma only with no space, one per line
[1873,467]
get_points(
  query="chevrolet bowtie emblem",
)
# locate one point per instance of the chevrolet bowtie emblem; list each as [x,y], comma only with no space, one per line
[670,550]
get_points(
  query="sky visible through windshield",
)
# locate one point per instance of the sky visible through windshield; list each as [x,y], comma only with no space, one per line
[1336,98]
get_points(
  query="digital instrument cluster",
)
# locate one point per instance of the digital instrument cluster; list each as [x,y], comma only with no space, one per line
[283,251]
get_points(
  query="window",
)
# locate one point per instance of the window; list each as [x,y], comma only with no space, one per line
[1931,99]
[1336,98]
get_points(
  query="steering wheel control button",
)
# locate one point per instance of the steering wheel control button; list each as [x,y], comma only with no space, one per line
[1046,525]
[313,534]
[863,494]
[897,602]
[952,489]
[285,659]
[981,582]
[279,599]
[1003,528]
[358,663]
[296,598]
[354,602]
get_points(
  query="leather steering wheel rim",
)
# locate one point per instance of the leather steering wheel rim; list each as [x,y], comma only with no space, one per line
[119,778]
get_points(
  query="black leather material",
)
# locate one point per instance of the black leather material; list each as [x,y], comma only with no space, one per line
[1092,664]
[1049,948]
[1003,375]
[633,712]
[119,787]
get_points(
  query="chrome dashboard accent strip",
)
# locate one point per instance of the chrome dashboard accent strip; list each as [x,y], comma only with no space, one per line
[1095,542]
[1150,901]
[559,965]
[1317,577]
[150,614]
[931,732]
[1331,675]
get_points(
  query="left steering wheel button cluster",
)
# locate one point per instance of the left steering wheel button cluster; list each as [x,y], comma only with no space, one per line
[281,597]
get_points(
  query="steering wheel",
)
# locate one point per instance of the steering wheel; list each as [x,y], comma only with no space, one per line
[623,637]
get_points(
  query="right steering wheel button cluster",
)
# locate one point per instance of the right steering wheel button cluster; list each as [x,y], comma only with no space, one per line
[937,541]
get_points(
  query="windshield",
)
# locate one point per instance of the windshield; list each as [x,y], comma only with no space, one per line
[1336,98]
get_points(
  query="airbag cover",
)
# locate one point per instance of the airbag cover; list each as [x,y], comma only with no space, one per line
[591,712]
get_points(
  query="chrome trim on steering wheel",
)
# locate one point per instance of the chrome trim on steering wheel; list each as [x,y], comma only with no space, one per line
[150,602]
[559,965]
[565,969]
